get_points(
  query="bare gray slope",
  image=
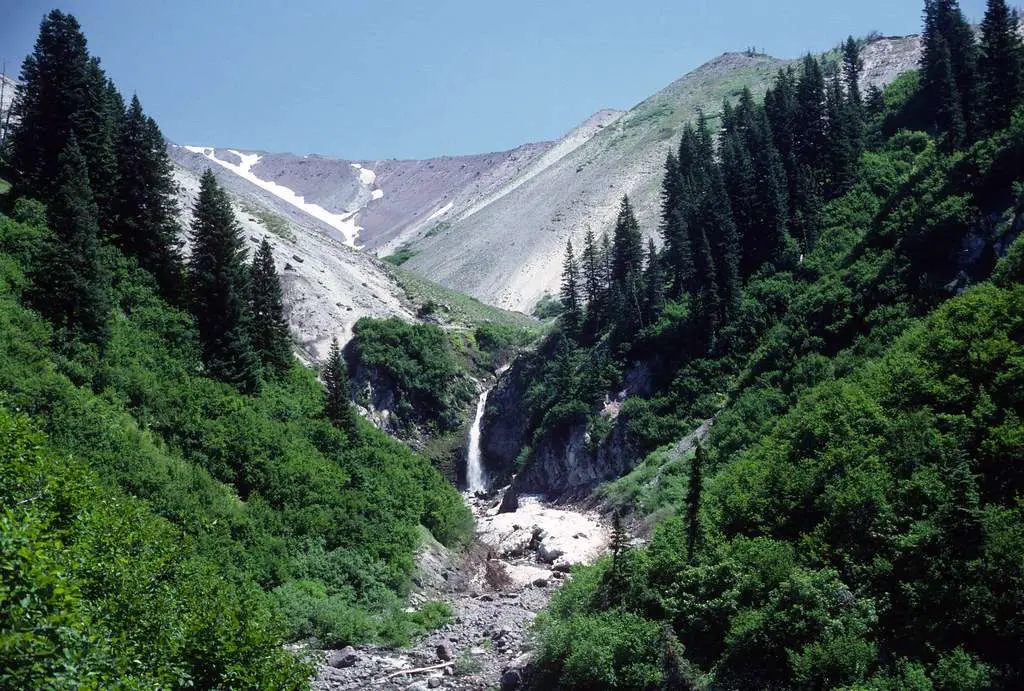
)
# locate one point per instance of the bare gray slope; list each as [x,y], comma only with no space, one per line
[327,285]
[509,252]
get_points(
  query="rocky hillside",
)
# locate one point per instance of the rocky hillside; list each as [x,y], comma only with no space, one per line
[495,225]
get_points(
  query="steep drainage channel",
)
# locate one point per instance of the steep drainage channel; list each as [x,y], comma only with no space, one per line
[517,561]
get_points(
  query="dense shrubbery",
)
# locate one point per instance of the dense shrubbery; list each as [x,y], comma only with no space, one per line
[415,363]
[265,490]
[859,521]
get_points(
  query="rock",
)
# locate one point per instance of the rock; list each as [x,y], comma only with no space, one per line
[509,502]
[540,583]
[549,553]
[444,652]
[346,657]
[434,682]
[511,680]
[417,686]
[486,598]
[563,567]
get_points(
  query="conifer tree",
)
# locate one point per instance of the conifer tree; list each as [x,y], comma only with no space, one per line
[708,303]
[269,328]
[1000,67]
[627,246]
[572,315]
[949,69]
[218,290]
[697,465]
[853,67]
[590,262]
[73,285]
[627,272]
[809,126]
[337,407]
[654,284]
[841,148]
[52,102]
[145,204]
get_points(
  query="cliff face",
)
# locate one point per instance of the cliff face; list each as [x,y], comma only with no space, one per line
[505,430]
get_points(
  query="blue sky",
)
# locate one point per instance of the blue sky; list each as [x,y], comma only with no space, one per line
[368,79]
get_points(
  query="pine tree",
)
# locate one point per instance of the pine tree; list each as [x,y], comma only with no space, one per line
[218,290]
[337,408]
[50,106]
[145,204]
[73,285]
[1000,67]
[853,67]
[841,149]
[949,70]
[590,262]
[269,328]
[572,315]
[627,246]
[654,284]
[809,128]
[697,464]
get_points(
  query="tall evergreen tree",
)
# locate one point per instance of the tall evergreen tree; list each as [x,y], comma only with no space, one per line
[841,148]
[572,314]
[337,407]
[809,127]
[627,272]
[1000,67]
[697,465]
[654,284]
[590,262]
[145,204]
[269,328]
[64,92]
[218,290]
[73,285]
[51,105]
[853,67]
[949,69]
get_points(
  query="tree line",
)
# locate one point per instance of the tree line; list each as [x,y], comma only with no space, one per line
[102,171]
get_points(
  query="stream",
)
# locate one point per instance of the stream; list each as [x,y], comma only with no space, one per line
[495,589]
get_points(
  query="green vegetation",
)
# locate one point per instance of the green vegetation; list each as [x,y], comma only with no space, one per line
[830,291]
[417,365]
[276,224]
[180,496]
[401,256]
[458,308]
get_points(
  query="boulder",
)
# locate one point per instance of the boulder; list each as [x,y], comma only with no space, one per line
[346,657]
[444,652]
[511,680]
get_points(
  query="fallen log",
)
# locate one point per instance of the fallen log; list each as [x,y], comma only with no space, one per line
[414,670]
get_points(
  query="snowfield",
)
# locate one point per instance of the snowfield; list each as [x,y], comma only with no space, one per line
[343,223]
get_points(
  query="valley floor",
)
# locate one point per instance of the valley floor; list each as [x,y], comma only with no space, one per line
[518,560]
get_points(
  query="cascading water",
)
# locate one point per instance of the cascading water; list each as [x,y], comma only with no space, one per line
[474,465]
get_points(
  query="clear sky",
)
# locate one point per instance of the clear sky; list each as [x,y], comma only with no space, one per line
[367,79]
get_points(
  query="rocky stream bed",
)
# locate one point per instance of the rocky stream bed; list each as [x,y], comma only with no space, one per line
[520,557]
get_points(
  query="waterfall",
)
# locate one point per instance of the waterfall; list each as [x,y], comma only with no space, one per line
[474,465]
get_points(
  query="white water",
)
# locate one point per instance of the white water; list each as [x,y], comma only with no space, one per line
[474,466]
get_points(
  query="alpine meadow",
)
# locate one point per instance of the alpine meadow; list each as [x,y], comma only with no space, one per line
[723,392]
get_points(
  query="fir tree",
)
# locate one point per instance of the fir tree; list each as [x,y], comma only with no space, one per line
[590,262]
[337,408]
[853,67]
[949,69]
[269,328]
[809,127]
[697,464]
[146,207]
[1000,67]
[73,285]
[841,149]
[218,290]
[654,284]
[572,315]
[627,246]
[51,105]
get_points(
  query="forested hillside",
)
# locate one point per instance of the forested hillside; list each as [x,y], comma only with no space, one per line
[838,287]
[180,496]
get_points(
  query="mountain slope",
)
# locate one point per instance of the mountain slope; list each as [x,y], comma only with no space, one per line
[509,253]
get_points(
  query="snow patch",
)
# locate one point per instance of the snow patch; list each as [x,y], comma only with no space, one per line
[343,223]
[366,176]
[441,212]
[377,194]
